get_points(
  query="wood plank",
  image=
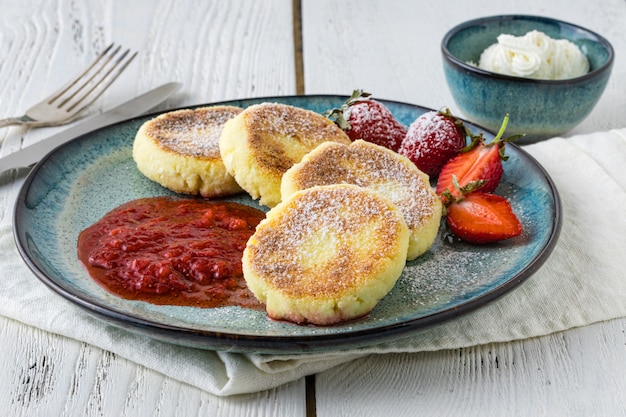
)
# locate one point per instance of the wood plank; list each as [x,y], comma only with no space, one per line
[579,372]
[219,51]
[392,49]
[46,374]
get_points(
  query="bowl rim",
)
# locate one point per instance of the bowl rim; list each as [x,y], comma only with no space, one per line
[473,22]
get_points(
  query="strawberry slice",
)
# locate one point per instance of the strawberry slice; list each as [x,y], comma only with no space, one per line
[478,162]
[482,218]
[362,117]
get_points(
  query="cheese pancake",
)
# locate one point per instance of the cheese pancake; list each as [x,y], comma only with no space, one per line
[326,254]
[266,139]
[180,151]
[369,165]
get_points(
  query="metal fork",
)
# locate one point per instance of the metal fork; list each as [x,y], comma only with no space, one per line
[72,99]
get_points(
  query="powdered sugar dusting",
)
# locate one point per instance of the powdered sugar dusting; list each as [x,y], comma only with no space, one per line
[299,125]
[370,120]
[433,126]
[371,166]
[365,113]
[432,139]
[192,132]
[280,248]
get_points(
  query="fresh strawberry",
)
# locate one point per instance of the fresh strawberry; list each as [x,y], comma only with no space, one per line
[480,162]
[362,117]
[477,162]
[482,218]
[432,139]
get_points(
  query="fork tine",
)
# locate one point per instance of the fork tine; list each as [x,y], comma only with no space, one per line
[95,76]
[54,97]
[105,81]
[95,79]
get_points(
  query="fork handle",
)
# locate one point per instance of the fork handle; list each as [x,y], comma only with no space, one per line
[9,121]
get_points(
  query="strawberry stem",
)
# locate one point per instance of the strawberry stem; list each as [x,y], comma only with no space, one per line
[470,187]
[356,96]
[460,124]
[502,128]
[338,115]
[512,138]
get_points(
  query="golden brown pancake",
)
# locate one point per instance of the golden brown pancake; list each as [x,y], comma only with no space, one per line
[266,139]
[180,151]
[368,165]
[326,254]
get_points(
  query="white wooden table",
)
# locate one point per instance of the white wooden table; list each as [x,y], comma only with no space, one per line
[235,49]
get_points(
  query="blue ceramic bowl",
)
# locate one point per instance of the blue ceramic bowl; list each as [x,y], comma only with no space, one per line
[538,108]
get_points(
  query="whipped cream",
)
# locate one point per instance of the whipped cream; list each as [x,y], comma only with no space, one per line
[534,55]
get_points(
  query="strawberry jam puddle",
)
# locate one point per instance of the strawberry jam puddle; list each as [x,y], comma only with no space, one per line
[167,251]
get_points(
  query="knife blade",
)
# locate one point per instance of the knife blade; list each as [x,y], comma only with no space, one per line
[137,106]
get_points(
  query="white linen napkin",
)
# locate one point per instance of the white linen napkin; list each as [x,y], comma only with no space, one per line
[583,282]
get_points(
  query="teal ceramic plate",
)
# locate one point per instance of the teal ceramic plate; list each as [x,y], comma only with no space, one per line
[79,182]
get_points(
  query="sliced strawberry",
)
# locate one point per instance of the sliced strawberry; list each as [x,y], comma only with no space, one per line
[362,117]
[432,139]
[477,162]
[482,218]
[481,162]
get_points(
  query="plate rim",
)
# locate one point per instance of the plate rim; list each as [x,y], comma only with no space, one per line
[282,344]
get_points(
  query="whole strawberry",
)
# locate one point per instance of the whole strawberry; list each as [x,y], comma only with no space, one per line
[432,139]
[362,117]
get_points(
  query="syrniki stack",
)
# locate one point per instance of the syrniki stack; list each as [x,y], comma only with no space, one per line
[368,165]
[326,254]
[180,151]
[266,139]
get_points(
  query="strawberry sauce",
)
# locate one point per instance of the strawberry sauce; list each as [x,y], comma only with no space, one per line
[169,251]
